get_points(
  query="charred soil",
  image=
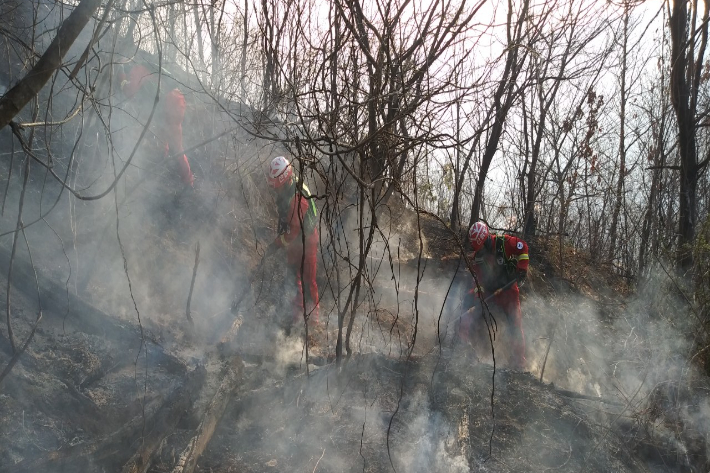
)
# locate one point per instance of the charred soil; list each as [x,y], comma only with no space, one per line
[100,389]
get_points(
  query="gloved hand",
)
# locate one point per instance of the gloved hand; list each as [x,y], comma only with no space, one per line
[282,227]
[522,277]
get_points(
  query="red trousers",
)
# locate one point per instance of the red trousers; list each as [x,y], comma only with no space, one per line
[170,132]
[304,270]
[472,328]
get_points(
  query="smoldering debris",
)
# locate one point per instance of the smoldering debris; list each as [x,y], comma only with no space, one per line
[440,412]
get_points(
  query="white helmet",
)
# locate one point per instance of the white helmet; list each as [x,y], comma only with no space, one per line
[280,172]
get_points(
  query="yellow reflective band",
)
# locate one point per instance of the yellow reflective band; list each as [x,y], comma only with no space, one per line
[283,241]
[524,256]
[311,203]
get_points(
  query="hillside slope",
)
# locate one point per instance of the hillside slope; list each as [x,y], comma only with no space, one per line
[116,371]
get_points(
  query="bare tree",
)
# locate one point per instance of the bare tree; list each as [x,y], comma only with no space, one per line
[689,36]
[506,92]
[17,97]
[566,41]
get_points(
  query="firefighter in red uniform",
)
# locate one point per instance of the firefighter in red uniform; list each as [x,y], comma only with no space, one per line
[500,264]
[298,217]
[168,115]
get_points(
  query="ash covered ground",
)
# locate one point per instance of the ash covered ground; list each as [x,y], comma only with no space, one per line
[116,378]
[115,372]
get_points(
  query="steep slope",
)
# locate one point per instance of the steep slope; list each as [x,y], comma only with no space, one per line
[114,369]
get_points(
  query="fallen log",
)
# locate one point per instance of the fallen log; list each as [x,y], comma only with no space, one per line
[165,422]
[227,344]
[187,460]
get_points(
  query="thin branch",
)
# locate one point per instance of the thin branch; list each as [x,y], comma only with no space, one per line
[674,168]
[62,122]
[192,284]
[16,355]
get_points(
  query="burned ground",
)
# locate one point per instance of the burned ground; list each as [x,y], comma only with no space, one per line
[117,378]
[97,391]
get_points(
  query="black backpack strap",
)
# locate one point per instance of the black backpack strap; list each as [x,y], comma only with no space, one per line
[509,263]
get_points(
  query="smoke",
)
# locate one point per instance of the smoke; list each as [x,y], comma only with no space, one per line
[632,350]
[429,440]
[402,285]
[595,347]
[376,409]
[629,351]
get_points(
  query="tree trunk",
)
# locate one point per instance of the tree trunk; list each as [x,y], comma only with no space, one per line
[648,220]
[619,196]
[454,217]
[200,43]
[165,422]
[685,79]
[243,61]
[16,98]
[501,106]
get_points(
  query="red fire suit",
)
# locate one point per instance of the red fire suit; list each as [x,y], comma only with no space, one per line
[169,116]
[503,258]
[298,216]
